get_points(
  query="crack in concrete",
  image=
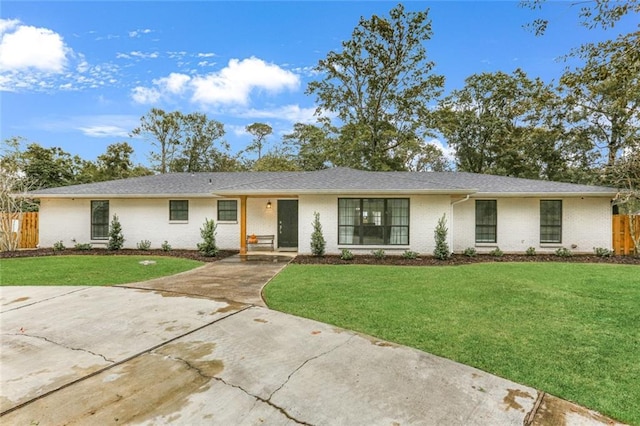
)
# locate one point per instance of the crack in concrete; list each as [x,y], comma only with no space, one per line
[62,345]
[35,302]
[255,397]
[309,360]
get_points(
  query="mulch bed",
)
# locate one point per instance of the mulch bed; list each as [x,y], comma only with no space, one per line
[185,254]
[456,259]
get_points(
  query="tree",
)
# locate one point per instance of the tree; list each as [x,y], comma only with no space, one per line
[625,175]
[318,242]
[116,163]
[603,96]
[426,158]
[596,13]
[14,199]
[441,251]
[310,145]
[508,124]
[260,131]
[379,86]
[197,151]
[163,130]
[208,247]
[116,239]
[276,160]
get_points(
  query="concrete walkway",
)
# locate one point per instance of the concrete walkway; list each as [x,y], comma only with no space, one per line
[191,350]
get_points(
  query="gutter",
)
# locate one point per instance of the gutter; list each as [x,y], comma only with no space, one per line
[452,221]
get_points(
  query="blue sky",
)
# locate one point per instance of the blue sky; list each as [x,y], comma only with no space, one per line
[79,75]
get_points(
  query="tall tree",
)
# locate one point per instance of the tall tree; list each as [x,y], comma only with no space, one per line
[603,95]
[595,13]
[507,125]
[116,163]
[309,144]
[162,129]
[379,86]
[260,131]
[197,151]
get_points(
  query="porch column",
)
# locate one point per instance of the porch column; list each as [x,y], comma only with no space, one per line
[243,224]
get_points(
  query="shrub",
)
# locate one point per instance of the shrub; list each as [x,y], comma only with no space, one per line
[165,246]
[116,239]
[318,242]
[564,252]
[496,252]
[346,254]
[208,246]
[58,246]
[82,246]
[440,235]
[602,252]
[531,251]
[408,254]
[144,245]
[378,254]
[470,252]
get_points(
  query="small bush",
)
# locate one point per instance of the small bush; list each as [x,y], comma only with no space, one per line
[470,252]
[165,246]
[531,251]
[378,254]
[116,239]
[318,242]
[440,235]
[408,254]
[346,254]
[602,252]
[82,246]
[496,252]
[58,246]
[144,245]
[564,252]
[208,246]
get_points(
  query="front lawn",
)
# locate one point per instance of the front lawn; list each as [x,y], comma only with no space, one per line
[88,270]
[572,330]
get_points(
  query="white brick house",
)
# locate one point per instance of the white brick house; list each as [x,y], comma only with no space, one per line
[360,211]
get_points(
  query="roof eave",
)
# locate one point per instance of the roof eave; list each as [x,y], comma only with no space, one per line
[120,196]
[543,194]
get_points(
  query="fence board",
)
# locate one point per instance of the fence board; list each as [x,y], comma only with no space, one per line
[622,241]
[28,228]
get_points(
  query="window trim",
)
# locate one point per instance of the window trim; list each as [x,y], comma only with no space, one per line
[494,225]
[173,210]
[94,237]
[358,239]
[558,227]
[219,210]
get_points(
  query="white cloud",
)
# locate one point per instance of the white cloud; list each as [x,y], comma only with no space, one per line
[103,131]
[143,55]
[448,152]
[29,47]
[206,55]
[8,24]
[292,113]
[145,95]
[234,83]
[174,84]
[137,33]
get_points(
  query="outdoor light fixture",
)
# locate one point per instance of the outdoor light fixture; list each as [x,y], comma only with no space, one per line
[269,205]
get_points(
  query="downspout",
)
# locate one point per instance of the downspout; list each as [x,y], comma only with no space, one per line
[451,216]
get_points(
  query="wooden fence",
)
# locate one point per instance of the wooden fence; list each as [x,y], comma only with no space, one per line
[622,241]
[28,228]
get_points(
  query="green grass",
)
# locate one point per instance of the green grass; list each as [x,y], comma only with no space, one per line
[88,270]
[572,330]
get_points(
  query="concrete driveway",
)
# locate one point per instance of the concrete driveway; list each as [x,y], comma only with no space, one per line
[195,353]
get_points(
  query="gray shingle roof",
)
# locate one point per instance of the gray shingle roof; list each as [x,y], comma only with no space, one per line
[335,180]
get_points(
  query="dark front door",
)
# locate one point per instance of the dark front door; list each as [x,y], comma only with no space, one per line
[287,223]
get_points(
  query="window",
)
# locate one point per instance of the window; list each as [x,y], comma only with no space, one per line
[178,210]
[550,221]
[373,221]
[486,221]
[100,220]
[227,210]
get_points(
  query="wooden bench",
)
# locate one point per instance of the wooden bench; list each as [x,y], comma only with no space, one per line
[262,241]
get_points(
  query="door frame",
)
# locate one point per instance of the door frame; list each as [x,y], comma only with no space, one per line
[287,200]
